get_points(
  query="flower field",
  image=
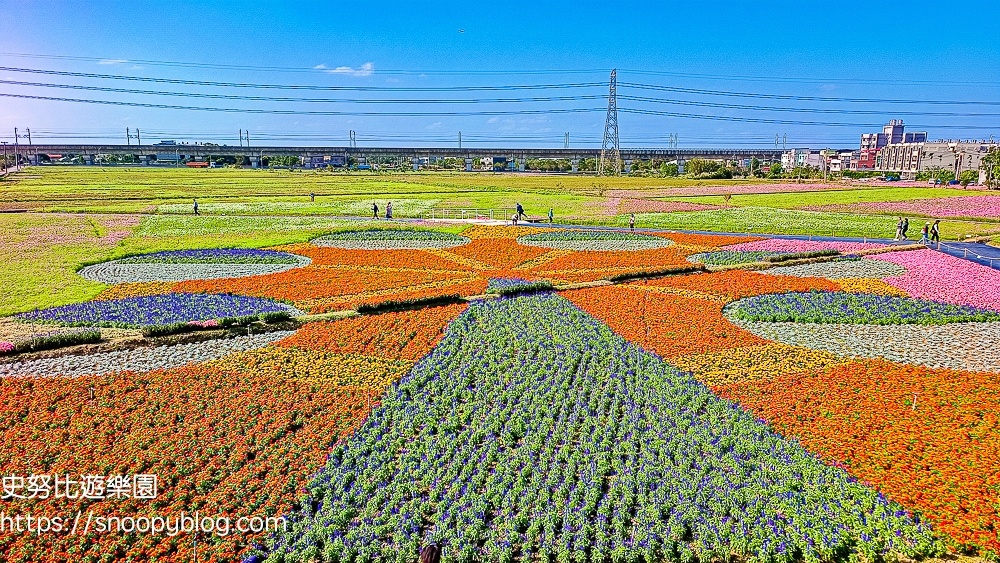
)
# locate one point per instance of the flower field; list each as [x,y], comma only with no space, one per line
[976,206]
[838,410]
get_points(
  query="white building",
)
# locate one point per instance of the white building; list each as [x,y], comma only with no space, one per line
[801,158]
[953,156]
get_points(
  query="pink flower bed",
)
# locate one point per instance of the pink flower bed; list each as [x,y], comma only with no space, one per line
[721,190]
[6,347]
[796,245]
[654,206]
[985,206]
[941,277]
[205,324]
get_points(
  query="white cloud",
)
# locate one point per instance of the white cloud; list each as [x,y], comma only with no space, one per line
[364,70]
[320,66]
[112,61]
[493,120]
[435,125]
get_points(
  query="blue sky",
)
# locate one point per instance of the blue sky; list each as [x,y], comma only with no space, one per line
[917,51]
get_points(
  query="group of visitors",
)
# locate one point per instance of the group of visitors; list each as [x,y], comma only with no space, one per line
[519,214]
[388,210]
[930,233]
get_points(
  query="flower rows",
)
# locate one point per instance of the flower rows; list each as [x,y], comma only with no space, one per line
[155,310]
[237,436]
[764,361]
[534,432]
[728,257]
[939,455]
[854,308]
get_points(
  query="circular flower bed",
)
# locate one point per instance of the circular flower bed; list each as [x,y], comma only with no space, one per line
[200,264]
[841,268]
[829,307]
[152,310]
[390,239]
[595,240]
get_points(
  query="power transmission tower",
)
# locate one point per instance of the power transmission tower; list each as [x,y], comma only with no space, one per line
[610,151]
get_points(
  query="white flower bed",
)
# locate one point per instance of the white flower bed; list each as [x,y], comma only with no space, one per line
[965,346]
[839,269]
[115,272]
[391,239]
[140,359]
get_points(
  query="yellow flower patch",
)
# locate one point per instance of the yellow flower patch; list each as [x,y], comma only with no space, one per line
[717,369]
[342,370]
[869,285]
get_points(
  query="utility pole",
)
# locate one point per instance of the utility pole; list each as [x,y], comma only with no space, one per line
[459,139]
[354,140]
[610,150]
[17,154]
[248,138]
[30,148]
[128,137]
[241,138]
[566,141]
[4,157]
[138,140]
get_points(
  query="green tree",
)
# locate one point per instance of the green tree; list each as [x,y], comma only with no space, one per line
[991,164]
[670,169]
[968,177]
[776,170]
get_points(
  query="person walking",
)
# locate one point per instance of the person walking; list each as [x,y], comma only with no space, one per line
[520,212]
[196,207]
[631,222]
[312,196]
[388,210]
[374,210]
[906,227]
[550,216]
[899,228]
[924,233]
[936,232]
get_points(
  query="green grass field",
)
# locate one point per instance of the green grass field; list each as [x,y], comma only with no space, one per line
[90,214]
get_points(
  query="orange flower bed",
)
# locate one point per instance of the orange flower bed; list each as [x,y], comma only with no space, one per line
[416,259]
[499,253]
[737,284]
[315,282]
[716,241]
[232,443]
[459,287]
[668,325]
[939,457]
[403,335]
[138,289]
[633,260]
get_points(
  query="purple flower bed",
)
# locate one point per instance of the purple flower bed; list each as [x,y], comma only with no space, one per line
[152,310]
[213,256]
[973,206]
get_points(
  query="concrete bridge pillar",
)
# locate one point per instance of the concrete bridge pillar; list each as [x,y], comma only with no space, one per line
[468,165]
[576,164]
[628,166]
[89,159]
[254,161]
[520,164]
[416,163]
